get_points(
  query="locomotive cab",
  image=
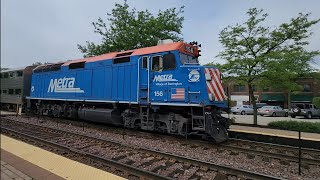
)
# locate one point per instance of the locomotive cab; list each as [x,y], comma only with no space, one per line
[176,79]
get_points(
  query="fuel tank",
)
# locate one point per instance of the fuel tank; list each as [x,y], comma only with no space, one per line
[108,116]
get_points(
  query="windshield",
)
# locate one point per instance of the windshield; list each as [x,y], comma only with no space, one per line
[186,59]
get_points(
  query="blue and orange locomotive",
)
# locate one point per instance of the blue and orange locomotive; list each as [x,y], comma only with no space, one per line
[160,88]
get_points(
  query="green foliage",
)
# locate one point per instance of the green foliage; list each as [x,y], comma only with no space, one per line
[312,127]
[316,101]
[131,29]
[255,53]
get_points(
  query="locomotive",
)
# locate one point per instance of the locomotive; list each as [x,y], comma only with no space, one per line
[161,88]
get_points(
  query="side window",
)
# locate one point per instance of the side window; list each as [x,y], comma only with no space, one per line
[145,62]
[11,74]
[169,62]
[5,75]
[19,73]
[245,106]
[17,91]
[4,91]
[77,65]
[10,91]
[157,63]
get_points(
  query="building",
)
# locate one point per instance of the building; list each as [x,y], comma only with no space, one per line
[239,94]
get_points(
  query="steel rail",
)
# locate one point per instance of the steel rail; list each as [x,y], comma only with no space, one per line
[212,166]
[121,166]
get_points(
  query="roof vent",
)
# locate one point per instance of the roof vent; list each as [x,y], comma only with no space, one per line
[165,41]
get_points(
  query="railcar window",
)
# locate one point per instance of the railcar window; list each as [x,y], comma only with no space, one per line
[5,75]
[11,74]
[169,62]
[4,91]
[10,91]
[121,60]
[186,59]
[1,75]
[19,73]
[145,62]
[17,91]
[76,65]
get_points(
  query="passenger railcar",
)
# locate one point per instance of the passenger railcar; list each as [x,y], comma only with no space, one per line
[15,86]
[160,88]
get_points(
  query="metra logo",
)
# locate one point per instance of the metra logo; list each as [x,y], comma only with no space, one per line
[63,85]
[164,78]
[194,76]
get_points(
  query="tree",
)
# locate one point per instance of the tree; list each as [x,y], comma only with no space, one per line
[131,29]
[292,66]
[251,49]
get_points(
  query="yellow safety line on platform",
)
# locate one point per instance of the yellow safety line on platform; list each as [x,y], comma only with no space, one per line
[277,135]
[61,166]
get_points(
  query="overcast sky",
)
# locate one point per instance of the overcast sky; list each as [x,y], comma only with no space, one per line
[49,31]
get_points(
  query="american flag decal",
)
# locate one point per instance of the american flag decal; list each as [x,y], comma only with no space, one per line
[177,93]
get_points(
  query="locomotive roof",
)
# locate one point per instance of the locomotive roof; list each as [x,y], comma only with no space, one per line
[141,51]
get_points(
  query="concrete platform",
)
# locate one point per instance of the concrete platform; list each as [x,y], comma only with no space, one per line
[14,167]
[46,165]
[276,132]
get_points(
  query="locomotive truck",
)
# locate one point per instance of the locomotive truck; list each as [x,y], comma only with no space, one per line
[161,88]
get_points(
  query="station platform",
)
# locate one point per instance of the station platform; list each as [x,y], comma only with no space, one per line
[275,132]
[20,160]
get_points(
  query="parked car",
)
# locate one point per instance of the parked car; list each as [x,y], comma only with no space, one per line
[272,111]
[260,105]
[242,109]
[304,109]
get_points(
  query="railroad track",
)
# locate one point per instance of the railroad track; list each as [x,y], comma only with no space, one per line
[284,152]
[137,161]
[267,150]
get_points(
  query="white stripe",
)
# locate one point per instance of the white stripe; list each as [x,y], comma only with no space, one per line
[83,100]
[177,104]
[220,84]
[216,87]
[209,86]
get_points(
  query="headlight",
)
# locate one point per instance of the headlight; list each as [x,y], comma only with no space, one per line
[211,97]
[208,77]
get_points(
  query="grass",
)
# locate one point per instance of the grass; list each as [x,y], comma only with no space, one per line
[312,127]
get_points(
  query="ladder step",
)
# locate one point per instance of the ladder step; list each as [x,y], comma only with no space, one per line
[198,117]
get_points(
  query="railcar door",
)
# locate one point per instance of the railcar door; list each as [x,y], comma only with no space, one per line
[143,80]
[159,80]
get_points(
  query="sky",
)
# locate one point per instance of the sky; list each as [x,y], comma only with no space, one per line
[49,31]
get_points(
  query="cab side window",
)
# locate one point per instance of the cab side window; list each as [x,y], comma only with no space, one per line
[157,63]
[169,62]
[144,62]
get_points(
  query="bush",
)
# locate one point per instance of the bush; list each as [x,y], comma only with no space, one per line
[312,127]
[316,101]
